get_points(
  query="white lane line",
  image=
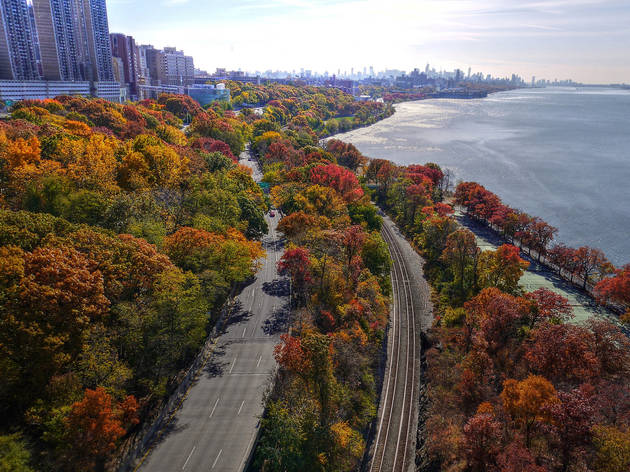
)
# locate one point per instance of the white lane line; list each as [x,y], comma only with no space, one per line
[233,362]
[240,408]
[244,329]
[189,456]
[214,407]
[259,359]
[216,460]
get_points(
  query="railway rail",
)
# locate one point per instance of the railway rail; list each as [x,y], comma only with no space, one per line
[393,447]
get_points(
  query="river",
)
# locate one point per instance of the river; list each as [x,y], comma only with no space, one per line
[562,154]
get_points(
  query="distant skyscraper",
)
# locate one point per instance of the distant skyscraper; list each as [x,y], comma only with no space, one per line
[74,39]
[17,50]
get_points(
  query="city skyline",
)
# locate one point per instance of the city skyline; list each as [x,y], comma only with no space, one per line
[585,40]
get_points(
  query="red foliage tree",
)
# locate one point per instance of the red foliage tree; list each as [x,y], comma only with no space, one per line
[548,306]
[296,263]
[563,353]
[291,355]
[615,289]
[342,180]
[572,418]
[94,425]
[482,441]
[214,145]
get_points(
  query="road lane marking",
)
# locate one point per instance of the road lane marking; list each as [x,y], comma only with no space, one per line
[244,329]
[214,407]
[189,456]
[240,408]
[233,362]
[259,359]
[215,461]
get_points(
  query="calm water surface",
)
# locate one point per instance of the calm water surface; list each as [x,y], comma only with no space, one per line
[557,153]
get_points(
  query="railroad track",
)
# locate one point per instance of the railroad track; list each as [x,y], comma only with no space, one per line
[391,449]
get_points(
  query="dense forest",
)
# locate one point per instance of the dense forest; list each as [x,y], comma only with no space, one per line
[124,228]
[513,383]
[122,233]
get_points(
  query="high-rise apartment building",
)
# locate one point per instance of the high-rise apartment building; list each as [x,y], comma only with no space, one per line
[17,45]
[94,13]
[74,40]
[58,43]
[177,68]
[124,48]
[167,67]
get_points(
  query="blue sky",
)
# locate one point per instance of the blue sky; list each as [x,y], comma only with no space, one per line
[587,40]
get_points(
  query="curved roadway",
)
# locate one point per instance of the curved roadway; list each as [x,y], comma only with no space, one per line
[216,426]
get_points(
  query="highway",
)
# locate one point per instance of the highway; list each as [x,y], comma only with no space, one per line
[394,445]
[216,426]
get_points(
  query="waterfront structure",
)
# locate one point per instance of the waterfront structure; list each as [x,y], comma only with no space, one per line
[17,42]
[205,94]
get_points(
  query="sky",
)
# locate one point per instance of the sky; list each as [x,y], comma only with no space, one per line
[585,40]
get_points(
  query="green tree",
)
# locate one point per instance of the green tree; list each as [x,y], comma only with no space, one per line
[14,457]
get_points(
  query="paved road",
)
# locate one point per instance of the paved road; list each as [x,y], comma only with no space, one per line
[394,446]
[216,426]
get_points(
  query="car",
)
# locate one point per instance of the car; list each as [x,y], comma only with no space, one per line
[272,213]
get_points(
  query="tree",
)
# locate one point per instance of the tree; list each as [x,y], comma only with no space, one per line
[296,263]
[253,215]
[571,419]
[461,252]
[589,262]
[295,225]
[548,306]
[375,255]
[542,235]
[435,232]
[527,401]
[563,353]
[14,456]
[516,458]
[483,436]
[291,356]
[94,425]
[612,447]
[615,289]
[46,314]
[342,180]
[281,446]
[502,268]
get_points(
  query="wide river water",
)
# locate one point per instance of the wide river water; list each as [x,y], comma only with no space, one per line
[558,153]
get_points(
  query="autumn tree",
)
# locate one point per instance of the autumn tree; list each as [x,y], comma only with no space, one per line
[563,352]
[612,449]
[591,262]
[295,262]
[569,429]
[94,425]
[526,402]
[548,305]
[45,314]
[501,268]
[616,289]
[483,437]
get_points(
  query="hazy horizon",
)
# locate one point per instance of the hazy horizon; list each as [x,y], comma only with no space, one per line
[584,40]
